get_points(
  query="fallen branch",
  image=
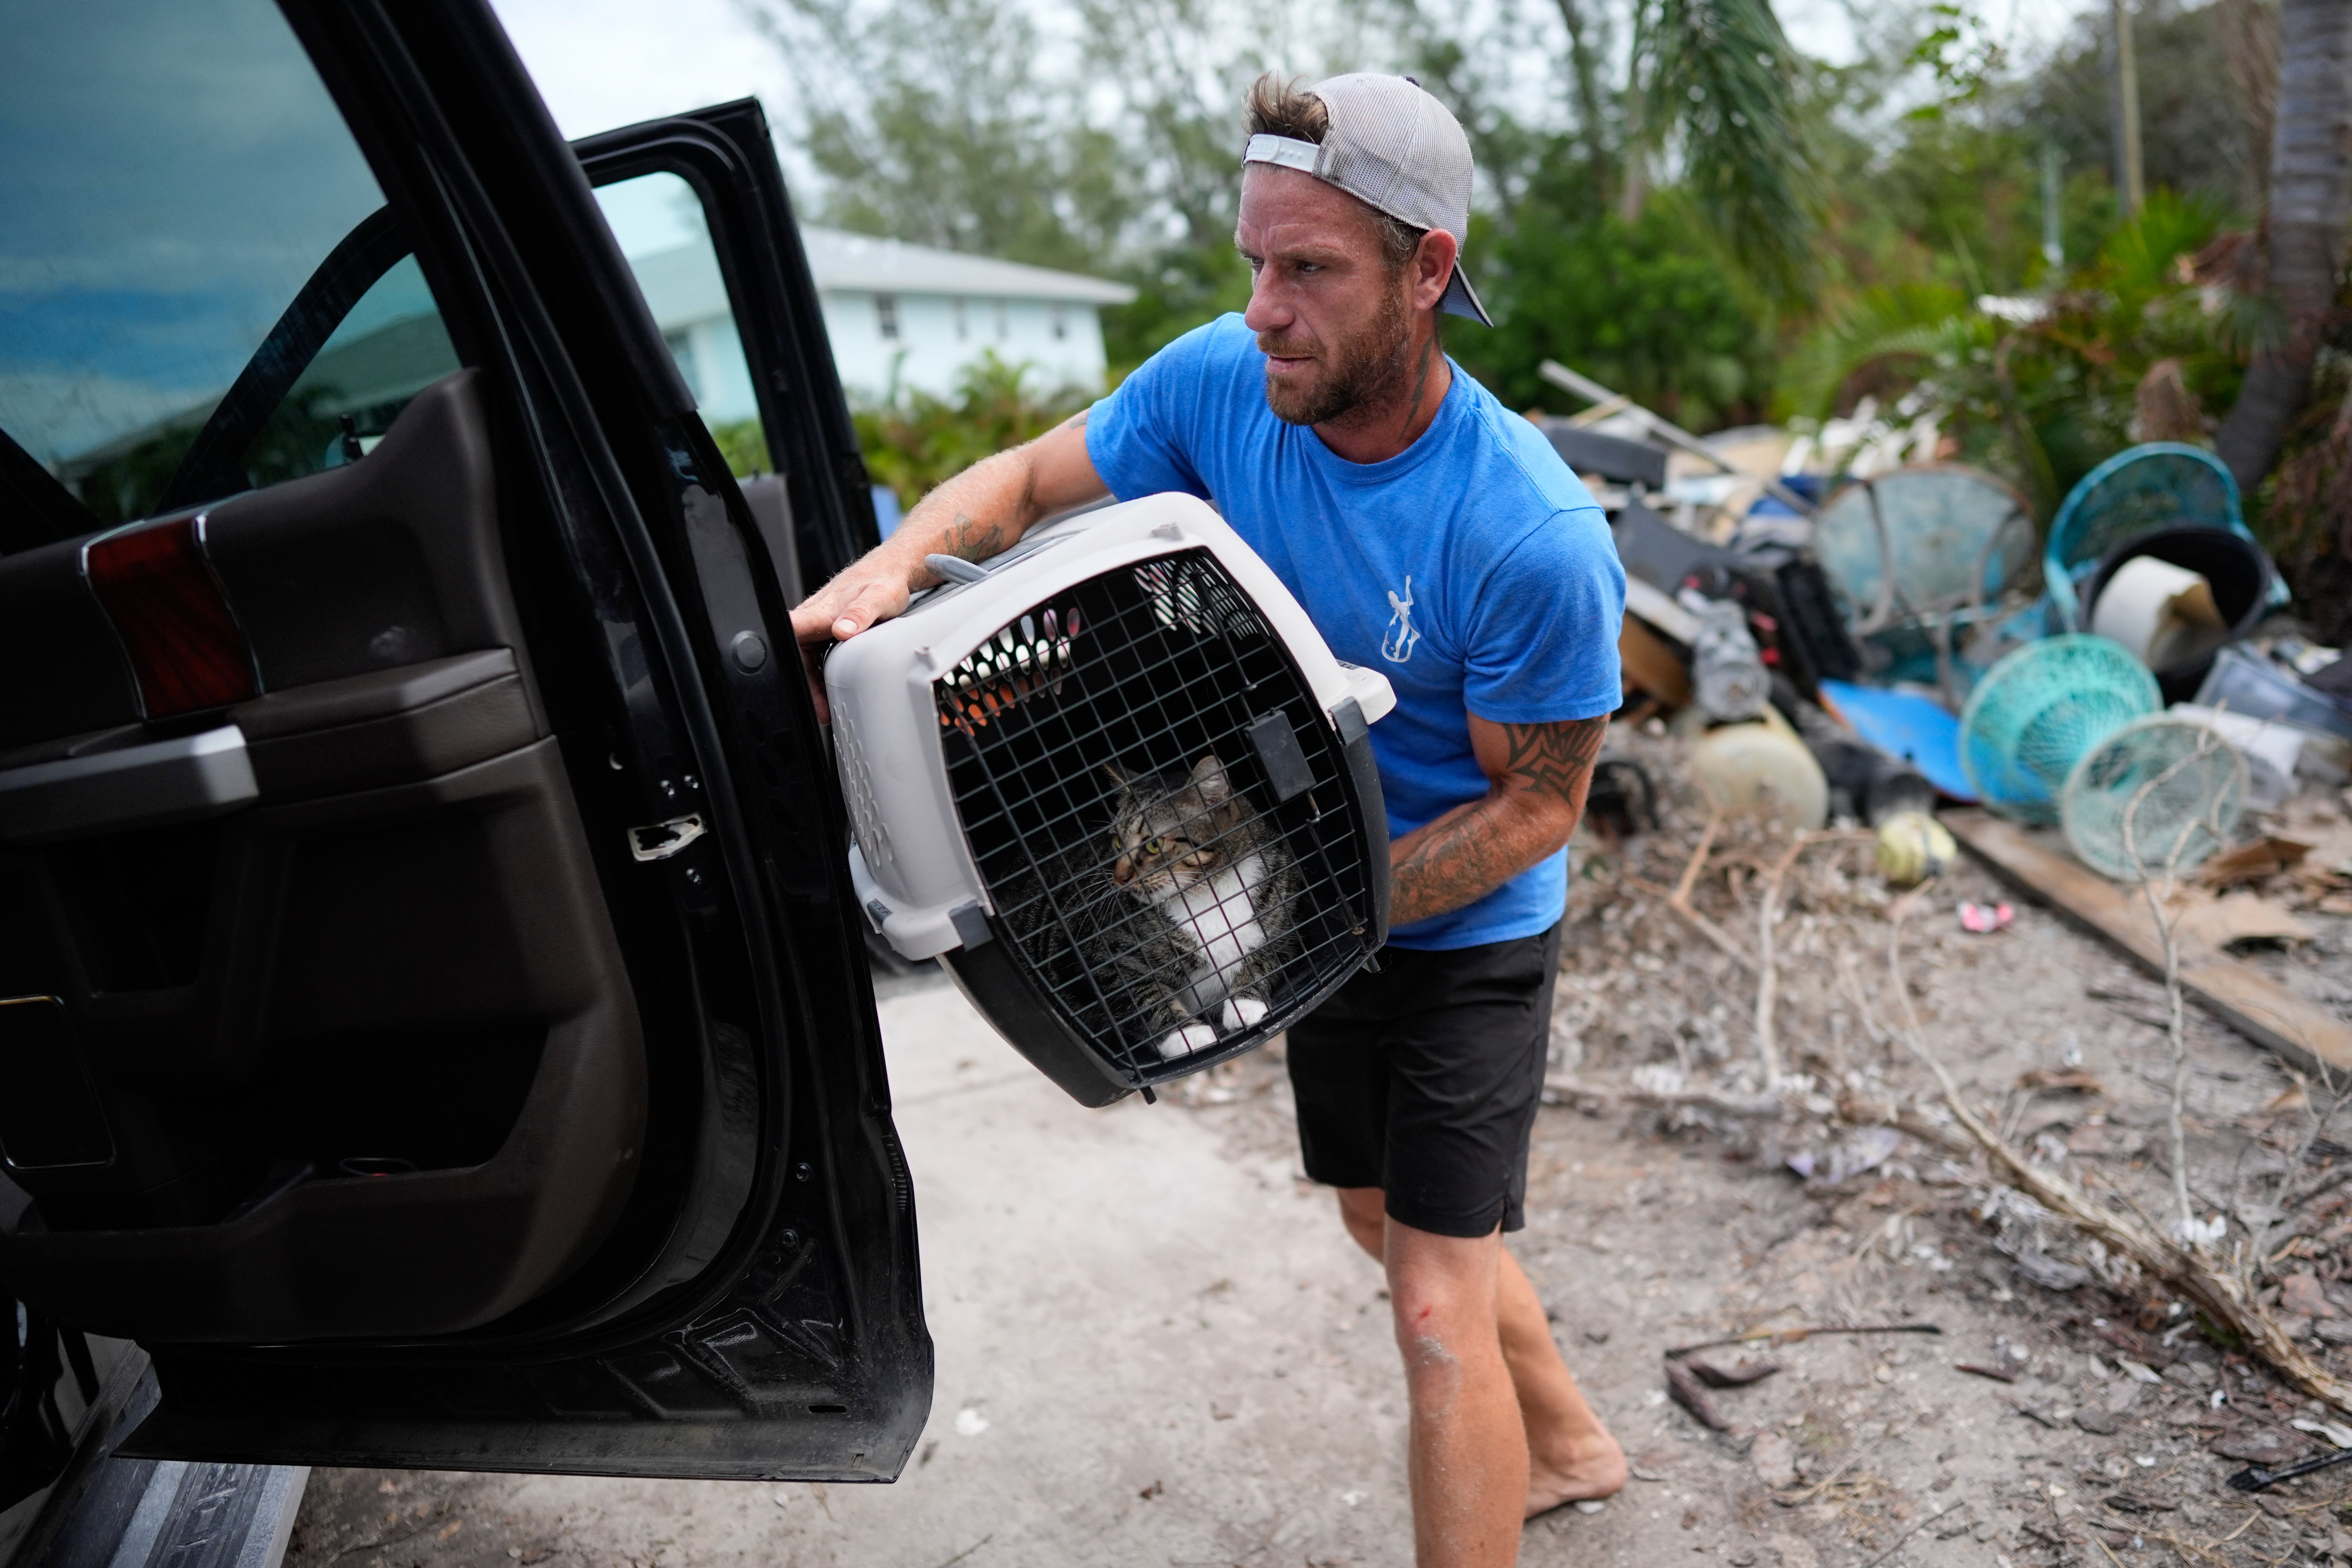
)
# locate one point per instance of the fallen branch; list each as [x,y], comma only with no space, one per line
[1700,923]
[1766,1107]
[2225,1299]
[1693,1398]
[1768,981]
[1863,1112]
[1794,1336]
[1698,861]
[1677,898]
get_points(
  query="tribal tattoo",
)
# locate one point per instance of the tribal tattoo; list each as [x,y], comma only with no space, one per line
[1555,759]
[1536,797]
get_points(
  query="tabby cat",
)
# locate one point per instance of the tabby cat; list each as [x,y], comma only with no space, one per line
[1195,915]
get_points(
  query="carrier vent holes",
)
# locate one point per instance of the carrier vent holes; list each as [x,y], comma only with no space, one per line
[1025,657]
[1177,666]
[865,821]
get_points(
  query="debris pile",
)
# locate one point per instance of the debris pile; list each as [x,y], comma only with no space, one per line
[1836,681]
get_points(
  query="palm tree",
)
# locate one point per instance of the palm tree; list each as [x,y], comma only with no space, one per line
[2310,196]
[1718,83]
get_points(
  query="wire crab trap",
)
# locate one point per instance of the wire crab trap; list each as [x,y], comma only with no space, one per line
[1118,784]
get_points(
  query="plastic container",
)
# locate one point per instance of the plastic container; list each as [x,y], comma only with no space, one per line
[2244,682]
[1761,768]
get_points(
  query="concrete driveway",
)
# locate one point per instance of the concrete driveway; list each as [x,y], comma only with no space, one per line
[1153,1348]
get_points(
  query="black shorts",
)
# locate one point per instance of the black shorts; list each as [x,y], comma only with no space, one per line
[1423,1080]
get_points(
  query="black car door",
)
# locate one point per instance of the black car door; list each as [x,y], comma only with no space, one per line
[433,1019]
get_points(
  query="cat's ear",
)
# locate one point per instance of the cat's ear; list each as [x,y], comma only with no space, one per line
[1209,778]
[1116,777]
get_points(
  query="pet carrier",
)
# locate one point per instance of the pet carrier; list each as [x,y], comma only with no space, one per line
[1115,782]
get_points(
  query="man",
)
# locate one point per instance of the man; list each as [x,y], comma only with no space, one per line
[1434,536]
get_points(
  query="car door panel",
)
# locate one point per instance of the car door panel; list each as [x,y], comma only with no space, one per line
[528,819]
[371,1011]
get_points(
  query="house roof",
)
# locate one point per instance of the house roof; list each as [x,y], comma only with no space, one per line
[683,285]
[856,261]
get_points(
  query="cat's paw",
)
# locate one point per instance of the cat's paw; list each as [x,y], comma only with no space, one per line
[1184,1042]
[1243,1012]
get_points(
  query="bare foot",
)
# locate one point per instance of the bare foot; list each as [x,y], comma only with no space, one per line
[1593,1466]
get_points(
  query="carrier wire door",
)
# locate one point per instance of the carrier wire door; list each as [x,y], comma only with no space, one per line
[1119,785]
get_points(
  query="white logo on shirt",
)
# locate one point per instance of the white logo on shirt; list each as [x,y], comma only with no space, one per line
[1397,647]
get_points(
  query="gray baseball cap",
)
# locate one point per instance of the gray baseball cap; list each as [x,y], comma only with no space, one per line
[1396,148]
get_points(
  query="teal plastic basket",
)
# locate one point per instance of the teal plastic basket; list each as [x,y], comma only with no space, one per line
[2037,710]
[2154,799]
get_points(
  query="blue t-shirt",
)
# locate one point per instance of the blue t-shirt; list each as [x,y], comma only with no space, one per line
[1471,569]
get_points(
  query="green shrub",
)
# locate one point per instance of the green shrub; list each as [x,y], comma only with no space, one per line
[913,445]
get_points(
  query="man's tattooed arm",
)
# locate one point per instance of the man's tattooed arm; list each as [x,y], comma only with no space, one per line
[1537,778]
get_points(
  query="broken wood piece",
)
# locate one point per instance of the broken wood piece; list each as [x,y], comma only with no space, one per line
[1739,1376]
[1693,1398]
[1797,1335]
[2068,1080]
[1993,1373]
[1649,665]
[1768,1050]
[2248,1001]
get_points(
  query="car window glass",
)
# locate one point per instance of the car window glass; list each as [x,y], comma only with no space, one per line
[391,347]
[659,222]
[169,177]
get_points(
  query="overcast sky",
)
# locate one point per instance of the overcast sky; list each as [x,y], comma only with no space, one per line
[603,63]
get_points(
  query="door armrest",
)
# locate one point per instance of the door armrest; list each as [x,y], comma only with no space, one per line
[125,786]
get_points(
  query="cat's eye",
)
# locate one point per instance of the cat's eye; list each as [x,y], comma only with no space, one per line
[1152,847]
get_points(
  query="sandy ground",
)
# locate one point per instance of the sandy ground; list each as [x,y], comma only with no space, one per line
[1215,1384]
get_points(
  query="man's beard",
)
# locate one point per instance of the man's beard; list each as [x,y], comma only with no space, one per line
[1356,371]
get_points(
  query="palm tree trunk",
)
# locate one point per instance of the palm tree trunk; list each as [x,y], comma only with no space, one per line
[2128,139]
[2249,31]
[2311,193]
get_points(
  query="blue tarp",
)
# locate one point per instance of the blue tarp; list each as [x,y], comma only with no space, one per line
[1904,724]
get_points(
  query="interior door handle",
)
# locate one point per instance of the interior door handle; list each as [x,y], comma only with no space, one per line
[138,786]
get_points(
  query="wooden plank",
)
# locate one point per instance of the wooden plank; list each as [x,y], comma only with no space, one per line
[2239,995]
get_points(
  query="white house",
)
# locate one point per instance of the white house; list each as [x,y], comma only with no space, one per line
[902,318]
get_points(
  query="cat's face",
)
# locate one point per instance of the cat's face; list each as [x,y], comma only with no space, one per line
[1169,828]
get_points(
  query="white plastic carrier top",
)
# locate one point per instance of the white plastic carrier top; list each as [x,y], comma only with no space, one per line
[914,872]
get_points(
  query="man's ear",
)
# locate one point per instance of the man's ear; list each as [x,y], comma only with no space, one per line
[1433,260]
